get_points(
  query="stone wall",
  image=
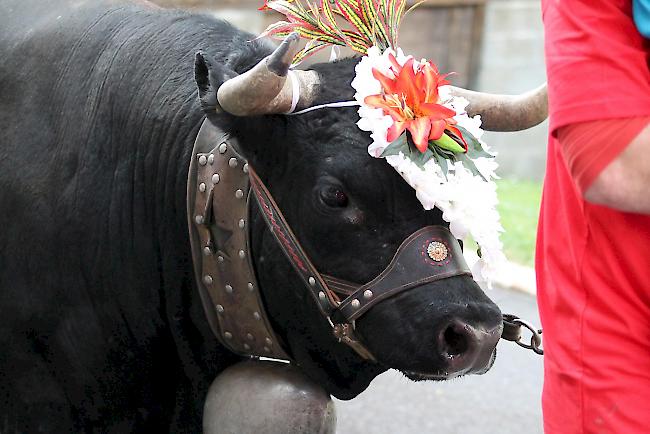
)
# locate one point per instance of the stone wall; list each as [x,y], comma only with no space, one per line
[512,61]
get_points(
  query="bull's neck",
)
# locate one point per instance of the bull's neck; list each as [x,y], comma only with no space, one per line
[156,115]
[169,158]
[158,163]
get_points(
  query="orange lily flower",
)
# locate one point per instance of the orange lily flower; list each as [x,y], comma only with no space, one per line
[411,99]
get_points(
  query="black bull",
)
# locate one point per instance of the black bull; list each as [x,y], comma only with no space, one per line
[101,326]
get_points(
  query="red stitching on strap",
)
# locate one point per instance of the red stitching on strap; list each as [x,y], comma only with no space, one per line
[286,241]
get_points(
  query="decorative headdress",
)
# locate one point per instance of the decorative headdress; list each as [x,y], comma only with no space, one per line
[416,122]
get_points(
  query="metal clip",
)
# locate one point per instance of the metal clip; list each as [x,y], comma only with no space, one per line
[512,332]
[345,334]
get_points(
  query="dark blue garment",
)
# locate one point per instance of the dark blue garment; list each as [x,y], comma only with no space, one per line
[641,10]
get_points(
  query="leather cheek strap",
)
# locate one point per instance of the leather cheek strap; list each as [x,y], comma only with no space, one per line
[430,254]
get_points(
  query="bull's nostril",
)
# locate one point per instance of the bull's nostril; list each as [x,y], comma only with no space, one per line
[456,340]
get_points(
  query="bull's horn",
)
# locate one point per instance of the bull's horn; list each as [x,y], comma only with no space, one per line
[264,89]
[507,112]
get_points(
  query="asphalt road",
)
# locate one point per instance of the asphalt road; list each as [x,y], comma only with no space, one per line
[505,400]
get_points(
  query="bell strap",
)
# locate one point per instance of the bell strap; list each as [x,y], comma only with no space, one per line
[325,298]
[217,208]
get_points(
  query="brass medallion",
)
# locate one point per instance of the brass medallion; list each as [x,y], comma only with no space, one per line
[437,251]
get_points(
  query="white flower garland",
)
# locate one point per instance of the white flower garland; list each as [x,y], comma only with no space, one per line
[467,202]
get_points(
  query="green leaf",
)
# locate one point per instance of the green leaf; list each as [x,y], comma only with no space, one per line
[442,162]
[469,165]
[474,147]
[447,154]
[312,47]
[405,145]
[333,25]
[293,11]
[279,27]
[412,149]
[371,16]
[421,158]
[398,145]
[349,11]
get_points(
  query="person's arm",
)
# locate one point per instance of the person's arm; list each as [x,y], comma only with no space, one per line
[624,184]
[609,161]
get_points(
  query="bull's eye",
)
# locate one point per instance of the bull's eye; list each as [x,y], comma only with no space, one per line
[334,197]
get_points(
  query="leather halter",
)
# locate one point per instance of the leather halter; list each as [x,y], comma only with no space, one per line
[220,183]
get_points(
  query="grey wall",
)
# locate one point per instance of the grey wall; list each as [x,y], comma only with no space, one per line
[512,61]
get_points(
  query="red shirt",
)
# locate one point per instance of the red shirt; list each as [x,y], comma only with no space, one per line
[593,263]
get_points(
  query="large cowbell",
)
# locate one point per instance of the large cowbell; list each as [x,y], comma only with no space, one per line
[267,397]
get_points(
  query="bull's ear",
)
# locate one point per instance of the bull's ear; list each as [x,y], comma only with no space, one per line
[208,78]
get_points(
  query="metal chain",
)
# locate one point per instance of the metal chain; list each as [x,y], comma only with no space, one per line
[512,325]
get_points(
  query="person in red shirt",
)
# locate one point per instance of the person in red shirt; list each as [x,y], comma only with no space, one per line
[593,248]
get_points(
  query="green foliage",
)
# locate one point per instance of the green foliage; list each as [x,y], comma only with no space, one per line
[474,147]
[519,208]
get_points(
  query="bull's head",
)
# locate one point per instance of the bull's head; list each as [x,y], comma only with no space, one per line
[351,212]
